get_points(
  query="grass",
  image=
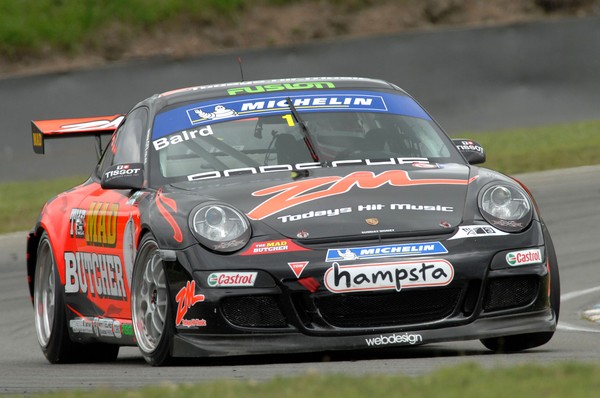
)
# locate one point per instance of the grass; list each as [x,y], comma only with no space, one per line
[468,380]
[34,27]
[509,151]
[541,148]
[21,202]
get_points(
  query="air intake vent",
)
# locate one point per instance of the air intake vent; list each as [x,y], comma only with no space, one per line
[506,293]
[253,311]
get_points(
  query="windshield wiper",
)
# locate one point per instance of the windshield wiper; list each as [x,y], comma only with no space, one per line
[313,149]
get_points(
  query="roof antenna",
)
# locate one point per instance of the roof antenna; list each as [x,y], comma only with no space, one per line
[241,69]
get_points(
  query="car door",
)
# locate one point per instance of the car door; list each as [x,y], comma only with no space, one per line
[105,226]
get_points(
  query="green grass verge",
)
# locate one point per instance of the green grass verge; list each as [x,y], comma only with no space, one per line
[21,202]
[468,380]
[37,27]
[541,148]
[510,151]
[30,26]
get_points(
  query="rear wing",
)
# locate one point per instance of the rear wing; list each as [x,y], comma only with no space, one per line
[42,130]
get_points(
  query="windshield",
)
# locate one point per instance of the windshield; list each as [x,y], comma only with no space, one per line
[228,138]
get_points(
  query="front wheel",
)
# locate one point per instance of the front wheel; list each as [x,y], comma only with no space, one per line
[150,310]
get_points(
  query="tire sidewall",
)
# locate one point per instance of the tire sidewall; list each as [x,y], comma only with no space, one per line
[162,353]
[59,339]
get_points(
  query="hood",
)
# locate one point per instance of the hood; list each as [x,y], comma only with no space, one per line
[346,201]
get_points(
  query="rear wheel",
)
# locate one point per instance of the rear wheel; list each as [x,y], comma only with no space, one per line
[150,311]
[50,319]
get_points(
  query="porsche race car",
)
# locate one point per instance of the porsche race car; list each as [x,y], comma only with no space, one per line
[290,215]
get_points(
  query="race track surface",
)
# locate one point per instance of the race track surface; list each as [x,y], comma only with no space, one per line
[568,200]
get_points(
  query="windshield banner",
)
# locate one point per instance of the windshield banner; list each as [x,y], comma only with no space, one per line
[227,109]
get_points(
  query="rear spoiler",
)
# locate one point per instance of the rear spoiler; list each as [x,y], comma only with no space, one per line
[42,130]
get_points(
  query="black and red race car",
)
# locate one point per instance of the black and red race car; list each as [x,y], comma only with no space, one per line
[279,216]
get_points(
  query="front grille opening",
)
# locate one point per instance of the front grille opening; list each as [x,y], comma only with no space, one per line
[253,311]
[407,307]
[513,292]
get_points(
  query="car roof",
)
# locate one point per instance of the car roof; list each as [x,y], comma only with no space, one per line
[272,85]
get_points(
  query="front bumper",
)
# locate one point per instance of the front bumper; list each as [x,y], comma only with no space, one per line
[194,345]
[283,311]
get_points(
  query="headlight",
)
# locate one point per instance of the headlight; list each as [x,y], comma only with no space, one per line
[220,227]
[506,207]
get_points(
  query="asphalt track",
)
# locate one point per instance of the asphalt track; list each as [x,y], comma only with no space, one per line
[568,198]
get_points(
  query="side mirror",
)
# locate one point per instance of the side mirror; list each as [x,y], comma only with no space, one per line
[123,176]
[471,150]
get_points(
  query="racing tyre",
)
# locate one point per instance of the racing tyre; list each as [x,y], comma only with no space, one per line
[522,342]
[50,318]
[151,314]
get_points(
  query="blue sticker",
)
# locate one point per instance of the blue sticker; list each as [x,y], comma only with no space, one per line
[402,250]
[226,109]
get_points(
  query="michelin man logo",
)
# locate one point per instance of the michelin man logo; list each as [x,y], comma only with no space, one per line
[220,113]
[347,255]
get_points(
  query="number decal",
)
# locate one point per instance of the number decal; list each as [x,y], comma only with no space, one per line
[289,119]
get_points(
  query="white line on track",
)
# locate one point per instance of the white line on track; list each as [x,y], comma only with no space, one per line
[573,295]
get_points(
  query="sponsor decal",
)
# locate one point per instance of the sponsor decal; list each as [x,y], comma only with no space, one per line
[273,103]
[38,140]
[117,329]
[505,223]
[81,325]
[186,298]
[231,279]
[182,136]
[388,276]
[406,338]
[104,124]
[162,202]
[313,214]
[524,257]
[220,112]
[469,146]
[77,223]
[476,231]
[297,267]
[120,171]
[378,231]
[104,327]
[100,327]
[273,246]
[299,167]
[271,81]
[292,194]
[408,206]
[193,323]
[127,329]
[276,104]
[101,224]
[279,87]
[400,250]
[99,275]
